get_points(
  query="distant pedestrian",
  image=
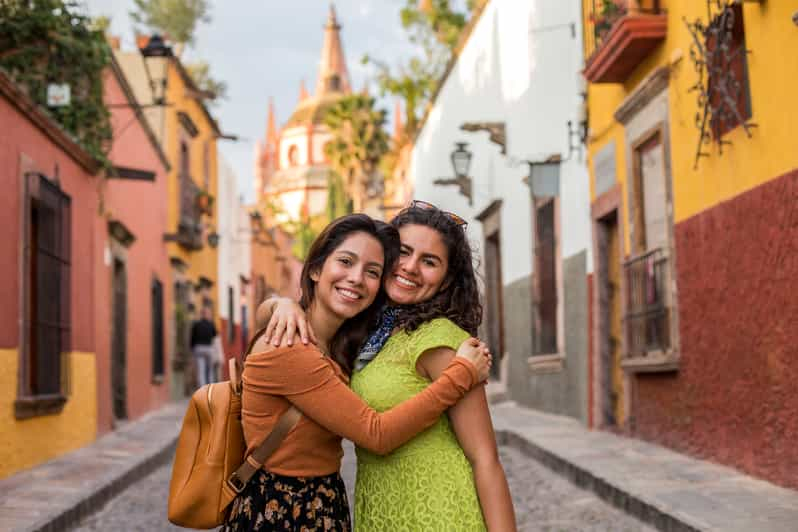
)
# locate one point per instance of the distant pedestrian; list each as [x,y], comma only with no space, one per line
[203,332]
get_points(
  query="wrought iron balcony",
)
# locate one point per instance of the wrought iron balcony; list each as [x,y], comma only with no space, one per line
[189,227]
[619,35]
[647,319]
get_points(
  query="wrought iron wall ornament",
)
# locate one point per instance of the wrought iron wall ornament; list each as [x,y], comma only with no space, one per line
[719,86]
[496,130]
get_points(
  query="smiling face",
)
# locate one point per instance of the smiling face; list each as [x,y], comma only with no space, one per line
[421,268]
[349,279]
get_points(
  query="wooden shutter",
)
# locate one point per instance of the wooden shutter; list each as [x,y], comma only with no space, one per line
[157,328]
[49,277]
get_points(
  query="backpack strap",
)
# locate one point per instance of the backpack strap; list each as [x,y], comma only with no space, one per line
[235,377]
[239,479]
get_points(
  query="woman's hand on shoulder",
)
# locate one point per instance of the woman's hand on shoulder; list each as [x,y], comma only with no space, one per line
[286,321]
[477,352]
[261,345]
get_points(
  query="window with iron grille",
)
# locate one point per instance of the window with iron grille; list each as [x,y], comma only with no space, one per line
[157,328]
[727,68]
[647,312]
[546,277]
[47,326]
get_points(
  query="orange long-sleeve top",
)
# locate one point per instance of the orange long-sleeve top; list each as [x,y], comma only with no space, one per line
[316,385]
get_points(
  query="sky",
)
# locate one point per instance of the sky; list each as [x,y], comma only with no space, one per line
[264,48]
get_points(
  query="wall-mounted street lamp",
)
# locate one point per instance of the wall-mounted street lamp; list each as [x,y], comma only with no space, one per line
[461,163]
[544,177]
[156,47]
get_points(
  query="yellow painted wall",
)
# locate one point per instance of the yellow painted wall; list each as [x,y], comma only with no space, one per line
[26,443]
[773,74]
[203,262]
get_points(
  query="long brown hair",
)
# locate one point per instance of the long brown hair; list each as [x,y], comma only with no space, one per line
[459,298]
[347,340]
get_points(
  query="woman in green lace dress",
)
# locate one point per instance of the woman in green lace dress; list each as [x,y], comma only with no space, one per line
[448,477]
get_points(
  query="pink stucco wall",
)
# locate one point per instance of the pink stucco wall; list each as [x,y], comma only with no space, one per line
[21,140]
[141,207]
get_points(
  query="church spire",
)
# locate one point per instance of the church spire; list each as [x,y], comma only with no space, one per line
[271,129]
[333,74]
[303,92]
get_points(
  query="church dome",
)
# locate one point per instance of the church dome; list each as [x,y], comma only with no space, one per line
[313,110]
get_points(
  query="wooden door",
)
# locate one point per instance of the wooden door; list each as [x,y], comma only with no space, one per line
[610,326]
[615,324]
[119,341]
[493,300]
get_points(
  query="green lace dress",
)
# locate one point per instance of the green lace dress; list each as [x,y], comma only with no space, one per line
[427,484]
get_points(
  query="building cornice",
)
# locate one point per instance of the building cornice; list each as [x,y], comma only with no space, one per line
[647,90]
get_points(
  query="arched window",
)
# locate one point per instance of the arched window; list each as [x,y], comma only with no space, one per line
[293,156]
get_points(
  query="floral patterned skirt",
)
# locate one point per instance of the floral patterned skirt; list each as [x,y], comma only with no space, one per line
[302,504]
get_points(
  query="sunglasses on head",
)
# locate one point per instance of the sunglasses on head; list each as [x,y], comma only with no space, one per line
[426,206]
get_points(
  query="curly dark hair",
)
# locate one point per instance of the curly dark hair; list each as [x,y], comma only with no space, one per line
[458,299]
[345,342]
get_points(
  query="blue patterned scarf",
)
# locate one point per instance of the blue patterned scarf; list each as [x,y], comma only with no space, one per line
[377,339]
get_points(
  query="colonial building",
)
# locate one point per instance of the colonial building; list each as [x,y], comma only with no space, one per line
[694,178]
[507,113]
[188,135]
[291,168]
[235,259]
[131,266]
[48,362]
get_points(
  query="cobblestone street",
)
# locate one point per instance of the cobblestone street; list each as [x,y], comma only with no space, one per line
[543,502]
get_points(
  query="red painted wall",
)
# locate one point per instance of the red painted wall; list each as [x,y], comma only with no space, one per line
[232,348]
[733,399]
[141,207]
[591,401]
[19,138]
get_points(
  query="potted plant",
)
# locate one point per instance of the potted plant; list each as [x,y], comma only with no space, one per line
[205,202]
[608,12]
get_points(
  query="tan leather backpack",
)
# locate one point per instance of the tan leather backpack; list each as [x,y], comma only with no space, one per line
[209,468]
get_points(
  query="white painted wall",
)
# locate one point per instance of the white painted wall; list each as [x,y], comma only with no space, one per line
[520,66]
[234,241]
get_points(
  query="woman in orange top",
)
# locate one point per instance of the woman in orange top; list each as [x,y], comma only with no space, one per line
[299,487]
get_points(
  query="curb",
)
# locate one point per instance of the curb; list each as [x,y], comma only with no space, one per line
[615,495]
[95,500]
[60,493]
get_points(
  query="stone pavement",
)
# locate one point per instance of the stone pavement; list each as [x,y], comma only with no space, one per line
[657,486]
[544,501]
[666,489]
[57,494]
